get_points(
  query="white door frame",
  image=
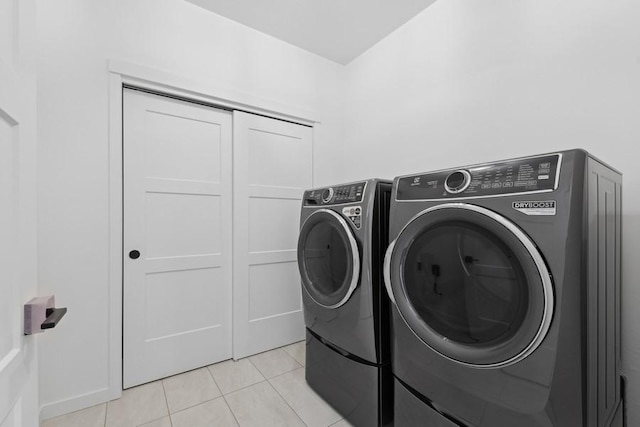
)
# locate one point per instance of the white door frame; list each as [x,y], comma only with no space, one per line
[125,73]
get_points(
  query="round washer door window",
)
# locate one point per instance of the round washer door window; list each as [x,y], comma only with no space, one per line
[328,258]
[471,285]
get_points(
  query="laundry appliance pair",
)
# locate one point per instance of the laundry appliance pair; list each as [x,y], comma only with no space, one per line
[504,281]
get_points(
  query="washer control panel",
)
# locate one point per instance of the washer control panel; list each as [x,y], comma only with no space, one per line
[506,177]
[354,213]
[350,193]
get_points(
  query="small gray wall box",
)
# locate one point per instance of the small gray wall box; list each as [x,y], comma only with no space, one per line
[40,314]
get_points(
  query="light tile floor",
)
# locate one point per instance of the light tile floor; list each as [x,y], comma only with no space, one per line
[264,390]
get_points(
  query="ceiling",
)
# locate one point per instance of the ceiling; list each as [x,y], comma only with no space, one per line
[339,30]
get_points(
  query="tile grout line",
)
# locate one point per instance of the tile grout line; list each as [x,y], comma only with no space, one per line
[196,404]
[291,355]
[293,358]
[268,380]
[285,400]
[256,366]
[244,387]
[214,378]
[106,408]
[222,394]
[233,414]
[285,373]
[208,400]
[166,402]
[294,344]
[257,369]
[287,354]
[155,419]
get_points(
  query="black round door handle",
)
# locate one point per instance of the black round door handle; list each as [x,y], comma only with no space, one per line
[134,254]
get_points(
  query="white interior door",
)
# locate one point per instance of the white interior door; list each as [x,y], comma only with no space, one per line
[272,167]
[18,358]
[177,215]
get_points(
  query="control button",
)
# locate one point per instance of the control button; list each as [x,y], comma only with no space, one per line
[457,181]
[327,194]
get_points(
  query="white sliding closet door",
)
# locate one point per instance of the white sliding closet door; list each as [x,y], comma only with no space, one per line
[177,236]
[272,167]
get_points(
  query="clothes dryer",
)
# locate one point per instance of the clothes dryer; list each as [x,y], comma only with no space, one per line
[343,236]
[505,281]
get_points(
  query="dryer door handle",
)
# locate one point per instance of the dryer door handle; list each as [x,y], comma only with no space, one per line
[387,272]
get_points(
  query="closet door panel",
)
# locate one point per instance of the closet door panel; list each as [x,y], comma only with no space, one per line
[177,221]
[272,168]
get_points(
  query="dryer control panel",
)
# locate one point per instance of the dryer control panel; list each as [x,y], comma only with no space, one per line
[350,193]
[531,174]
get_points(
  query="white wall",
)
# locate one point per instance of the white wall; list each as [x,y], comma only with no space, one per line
[76,38]
[470,81]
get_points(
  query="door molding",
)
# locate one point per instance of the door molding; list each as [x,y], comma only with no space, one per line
[167,83]
[121,73]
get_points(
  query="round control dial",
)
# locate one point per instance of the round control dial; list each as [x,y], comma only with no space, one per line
[327,194]
[457,181]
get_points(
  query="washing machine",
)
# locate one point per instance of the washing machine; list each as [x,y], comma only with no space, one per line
[343,236]
[505,287]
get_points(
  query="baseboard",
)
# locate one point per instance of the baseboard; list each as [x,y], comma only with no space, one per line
[77,403]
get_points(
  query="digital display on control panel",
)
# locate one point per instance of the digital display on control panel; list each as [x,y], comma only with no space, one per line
[508,177]
[351,193]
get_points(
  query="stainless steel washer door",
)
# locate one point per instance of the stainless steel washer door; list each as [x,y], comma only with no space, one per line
[471,285]
[328,258]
